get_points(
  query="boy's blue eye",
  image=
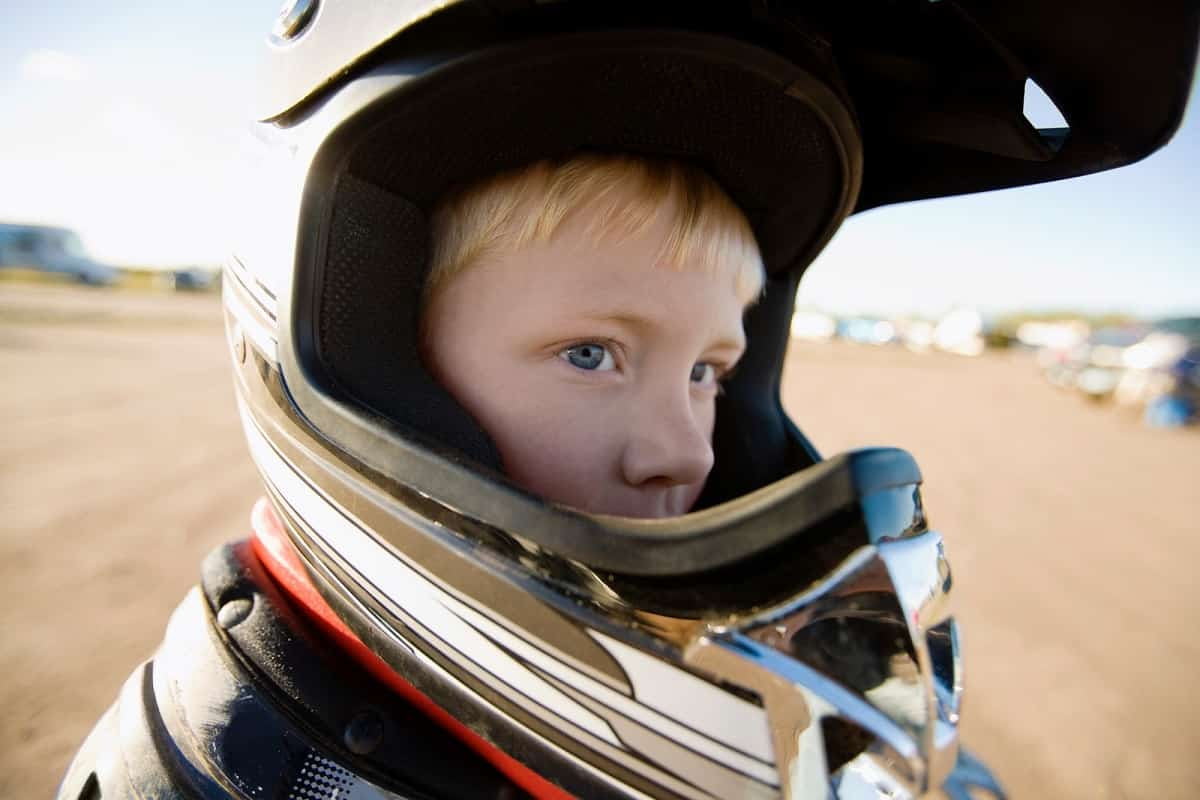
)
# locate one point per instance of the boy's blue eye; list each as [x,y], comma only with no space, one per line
[589,356]
[704,374]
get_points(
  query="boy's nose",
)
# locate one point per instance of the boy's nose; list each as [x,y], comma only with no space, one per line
[668,447]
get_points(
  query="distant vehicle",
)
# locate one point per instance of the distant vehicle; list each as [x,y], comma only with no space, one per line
[1094,363]
[1186,327]
[866,330]
[1052,339]
[1134,364]
[1162,372]
[813,326]
[1100,361]
[915,334]
[961,331]
[195,279]
[53,250]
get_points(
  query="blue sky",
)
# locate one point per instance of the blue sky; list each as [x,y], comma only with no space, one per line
[125,123]
[1124,240]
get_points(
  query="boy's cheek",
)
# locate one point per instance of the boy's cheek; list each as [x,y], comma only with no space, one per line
[558,463]
[569,424]
[560,439]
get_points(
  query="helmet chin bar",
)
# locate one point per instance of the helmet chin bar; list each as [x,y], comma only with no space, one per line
[905,697]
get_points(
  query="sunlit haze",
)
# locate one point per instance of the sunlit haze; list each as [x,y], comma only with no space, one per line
[126,124]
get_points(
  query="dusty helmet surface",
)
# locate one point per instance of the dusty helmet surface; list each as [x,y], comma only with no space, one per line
[792,636]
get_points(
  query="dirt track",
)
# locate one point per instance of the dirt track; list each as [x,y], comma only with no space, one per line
[1072,532]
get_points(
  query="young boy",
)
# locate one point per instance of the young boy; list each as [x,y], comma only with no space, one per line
[585,312]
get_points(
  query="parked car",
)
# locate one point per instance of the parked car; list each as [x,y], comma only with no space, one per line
[53,250]
[195,279]
[1093,365]
[1162,372]
[961,331]
[866,330]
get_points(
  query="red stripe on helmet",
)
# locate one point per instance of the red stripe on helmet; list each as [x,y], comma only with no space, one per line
[276,551]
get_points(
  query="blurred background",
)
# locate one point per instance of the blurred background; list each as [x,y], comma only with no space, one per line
[1036,350]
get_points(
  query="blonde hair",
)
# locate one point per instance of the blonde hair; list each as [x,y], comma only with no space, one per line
[516,208]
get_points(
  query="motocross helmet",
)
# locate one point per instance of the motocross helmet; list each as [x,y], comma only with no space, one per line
[792,636]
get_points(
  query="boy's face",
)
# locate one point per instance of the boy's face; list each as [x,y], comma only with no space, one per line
[594,370]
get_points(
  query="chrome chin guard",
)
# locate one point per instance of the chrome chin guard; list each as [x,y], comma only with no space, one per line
[869,657]
[849,689]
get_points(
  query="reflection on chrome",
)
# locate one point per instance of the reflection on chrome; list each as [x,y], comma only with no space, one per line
[860,676]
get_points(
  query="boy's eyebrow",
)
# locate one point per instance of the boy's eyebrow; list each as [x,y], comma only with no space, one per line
[620,317]
[641,323]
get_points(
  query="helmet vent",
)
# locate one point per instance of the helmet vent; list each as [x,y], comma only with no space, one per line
[1044,115]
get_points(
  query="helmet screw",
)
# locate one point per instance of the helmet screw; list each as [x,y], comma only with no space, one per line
[239,345]
[363,733]
[292,19]
[233,612]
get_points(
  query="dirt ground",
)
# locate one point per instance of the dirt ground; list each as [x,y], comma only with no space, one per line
[1071,528]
